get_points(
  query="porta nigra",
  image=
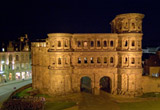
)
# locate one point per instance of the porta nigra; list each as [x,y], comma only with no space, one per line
[65,63]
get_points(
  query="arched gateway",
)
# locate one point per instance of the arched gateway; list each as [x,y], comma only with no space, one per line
[85,84]
[105,84]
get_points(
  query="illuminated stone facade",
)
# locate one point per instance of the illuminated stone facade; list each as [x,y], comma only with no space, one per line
[60,62]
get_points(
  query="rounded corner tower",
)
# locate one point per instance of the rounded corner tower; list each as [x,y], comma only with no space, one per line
[127,23]
[129,30]
[60,68]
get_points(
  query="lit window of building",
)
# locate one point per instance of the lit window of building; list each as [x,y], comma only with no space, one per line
[85,43]
[92,60]
[79,60]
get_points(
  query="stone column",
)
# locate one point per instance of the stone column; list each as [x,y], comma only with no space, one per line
[129,44]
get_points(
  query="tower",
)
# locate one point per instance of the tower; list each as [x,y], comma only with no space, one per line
[60,69]
[129,30]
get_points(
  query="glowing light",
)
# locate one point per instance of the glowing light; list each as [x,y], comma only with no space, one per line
[37,44]
[155,74]
[13,62]
[2,62]
[23,75]
[18,75]
[44,44]
[1,72]
[3,49]
[7,62]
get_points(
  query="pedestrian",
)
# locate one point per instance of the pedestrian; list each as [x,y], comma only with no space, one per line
[14,88]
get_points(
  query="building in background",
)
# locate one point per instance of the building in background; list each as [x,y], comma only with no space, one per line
[152,65]
[15,60]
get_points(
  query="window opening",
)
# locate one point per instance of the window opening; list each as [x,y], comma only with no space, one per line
[111,60]
[79,60]
[98,60]
[105,59]
[92,61]
[111,43]
[105,43]
[98,43]
[85,60]
[59,61]
[59,43]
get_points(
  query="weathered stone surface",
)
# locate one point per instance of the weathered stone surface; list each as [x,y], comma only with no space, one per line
[59,63]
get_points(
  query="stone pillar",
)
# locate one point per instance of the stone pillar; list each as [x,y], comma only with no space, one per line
[96,91]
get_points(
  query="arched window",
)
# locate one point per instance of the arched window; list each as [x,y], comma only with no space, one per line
[133,61]
[3,58]
[85,43]
[105,59]
[85,60]
[59,61]
[3,67]
[79,44]
[98,44]
[92,60]
[105,43]
[79,60]
[126,60]
[66,60]
[111,43]
[59,43]
[66,43]
[126,43]
[17,58]
[92,43]
[133,25]
[133,43]
[126,25]
[98,60]
[10,57]
[111,60]
[10,66]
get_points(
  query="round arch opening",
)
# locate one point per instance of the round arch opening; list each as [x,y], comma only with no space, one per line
[105,84]
[85,84]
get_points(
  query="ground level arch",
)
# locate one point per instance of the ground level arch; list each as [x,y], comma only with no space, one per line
[85,84]
[105,84]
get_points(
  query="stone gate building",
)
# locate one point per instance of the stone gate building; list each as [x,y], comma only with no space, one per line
[60,62]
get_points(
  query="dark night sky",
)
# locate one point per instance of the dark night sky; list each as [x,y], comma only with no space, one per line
[37,18]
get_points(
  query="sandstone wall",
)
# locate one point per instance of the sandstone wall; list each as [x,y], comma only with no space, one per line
[150,84]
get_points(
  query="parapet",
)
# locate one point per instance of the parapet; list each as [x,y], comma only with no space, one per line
[127,23]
